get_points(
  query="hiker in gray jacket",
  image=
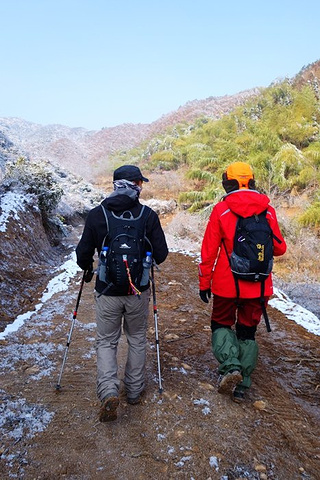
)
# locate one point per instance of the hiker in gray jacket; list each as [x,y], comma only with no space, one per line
[121,300]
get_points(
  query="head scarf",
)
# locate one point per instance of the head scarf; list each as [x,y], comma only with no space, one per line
[126,187]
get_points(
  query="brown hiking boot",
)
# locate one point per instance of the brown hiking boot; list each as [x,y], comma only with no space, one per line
[229,381]
[108,410]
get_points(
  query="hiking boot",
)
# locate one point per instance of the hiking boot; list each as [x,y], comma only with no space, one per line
[135,400]
[108,410]
[229,381]
[238,394]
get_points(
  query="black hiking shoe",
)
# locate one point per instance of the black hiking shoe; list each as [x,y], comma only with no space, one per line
[108,410]
[229,381]
[135,400]
[238,394]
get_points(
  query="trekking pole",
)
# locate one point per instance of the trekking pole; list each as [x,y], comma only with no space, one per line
[266,318]
[155,313]
[264,310]
[58,386]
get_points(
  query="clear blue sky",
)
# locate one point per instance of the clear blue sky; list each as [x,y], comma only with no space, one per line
[101,63]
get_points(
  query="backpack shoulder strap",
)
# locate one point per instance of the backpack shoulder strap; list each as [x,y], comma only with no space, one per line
[145,212]
[105,212]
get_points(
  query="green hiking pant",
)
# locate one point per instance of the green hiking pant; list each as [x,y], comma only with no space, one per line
[234,354]
[248,356]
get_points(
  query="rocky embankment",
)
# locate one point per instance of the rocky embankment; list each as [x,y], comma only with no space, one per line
[32,248]
[27,256]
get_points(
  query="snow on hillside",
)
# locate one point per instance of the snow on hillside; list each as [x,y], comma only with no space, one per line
[11,203]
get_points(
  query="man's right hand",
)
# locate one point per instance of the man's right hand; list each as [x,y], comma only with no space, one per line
[205,295]
[88,275]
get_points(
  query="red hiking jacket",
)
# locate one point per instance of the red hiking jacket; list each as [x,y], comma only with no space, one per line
[214,269]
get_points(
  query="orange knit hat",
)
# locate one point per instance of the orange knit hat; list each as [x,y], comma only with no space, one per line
[242,172]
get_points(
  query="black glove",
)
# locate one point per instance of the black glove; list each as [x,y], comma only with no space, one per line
[88,274]
[205,295]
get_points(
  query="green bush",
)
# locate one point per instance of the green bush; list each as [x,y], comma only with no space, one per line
[165,160]
[311,217]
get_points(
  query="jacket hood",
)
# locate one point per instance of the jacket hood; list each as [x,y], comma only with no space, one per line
[118,202]
[247,202]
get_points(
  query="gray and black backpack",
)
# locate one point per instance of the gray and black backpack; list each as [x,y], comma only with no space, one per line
[123,250]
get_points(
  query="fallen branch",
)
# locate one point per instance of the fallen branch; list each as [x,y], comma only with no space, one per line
[298,359]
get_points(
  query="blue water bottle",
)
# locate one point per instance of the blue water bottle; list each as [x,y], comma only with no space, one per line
[147,262]
[102,267]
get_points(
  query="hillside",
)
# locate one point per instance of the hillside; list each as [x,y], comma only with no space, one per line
[83,151]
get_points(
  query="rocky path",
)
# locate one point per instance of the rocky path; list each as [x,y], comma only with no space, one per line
[188,432]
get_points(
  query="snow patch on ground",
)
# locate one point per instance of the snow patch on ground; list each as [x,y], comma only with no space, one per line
[35,355]
[295,312]
[206,410]
[57,284]
[214,462]
[19,419]
[201,401]
[183,460]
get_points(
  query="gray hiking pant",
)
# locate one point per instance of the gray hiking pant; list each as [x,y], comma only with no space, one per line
[111,313]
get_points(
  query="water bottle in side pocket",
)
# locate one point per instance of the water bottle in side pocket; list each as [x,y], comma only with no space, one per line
[102,266]
[147,262]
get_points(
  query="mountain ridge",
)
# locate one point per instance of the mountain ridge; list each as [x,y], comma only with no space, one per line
[80,150]
[88,152]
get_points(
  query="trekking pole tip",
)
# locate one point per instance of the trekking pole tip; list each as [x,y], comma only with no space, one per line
[58,387]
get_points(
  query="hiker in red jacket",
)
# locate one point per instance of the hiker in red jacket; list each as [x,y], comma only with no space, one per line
[235,348]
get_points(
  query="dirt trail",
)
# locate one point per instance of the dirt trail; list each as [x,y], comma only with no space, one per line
[188,432]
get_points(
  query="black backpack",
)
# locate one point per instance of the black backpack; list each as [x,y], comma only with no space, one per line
[126,247]
[252,256]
